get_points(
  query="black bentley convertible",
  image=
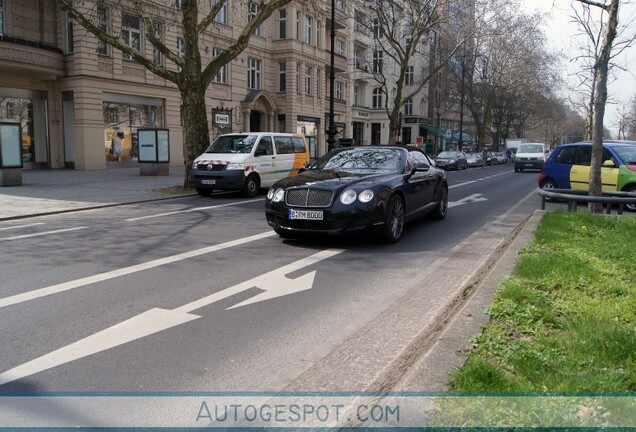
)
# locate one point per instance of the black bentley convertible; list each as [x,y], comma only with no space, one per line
[359,189]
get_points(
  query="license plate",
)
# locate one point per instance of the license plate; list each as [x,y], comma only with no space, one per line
[305,214]
[208,182]
[528,164]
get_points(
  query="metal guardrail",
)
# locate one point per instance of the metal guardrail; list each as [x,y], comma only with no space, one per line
[574,196]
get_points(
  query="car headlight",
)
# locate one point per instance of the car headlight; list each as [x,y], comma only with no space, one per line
[348,196]
[365,196]
[270,193]
[278,195]
[194,165]
[235,166]
[452,161]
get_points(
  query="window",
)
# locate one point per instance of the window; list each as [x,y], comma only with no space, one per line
[407,44]
[131,32]
[1,17]
[284,145]
[566,155]
[408,107]
[254,8]
[177,4]
[180,47]
[410,73]
[298,78]
[102,24]
[282,23]
[309,24]
[319,34]
[356,95]
[69,34]
[377,61]
[157,57]
[221,75]
[265,146]
[340,5]
[377,98]
[358,24]
[221,16]
[282,77]
[309,81]
[339,90]
[584,156]
[298,14]
[340,47]
[318,82]
[377,29]
[253,73]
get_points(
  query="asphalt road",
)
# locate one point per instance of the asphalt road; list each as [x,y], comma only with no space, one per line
[142,297]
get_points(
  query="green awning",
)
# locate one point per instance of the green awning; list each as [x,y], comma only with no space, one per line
[465,138]
[440,132]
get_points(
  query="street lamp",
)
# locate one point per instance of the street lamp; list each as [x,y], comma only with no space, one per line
[331,130]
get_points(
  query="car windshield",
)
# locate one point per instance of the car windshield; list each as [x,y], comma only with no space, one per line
[530,148]
[361,159]
[232,144]
[447,154]
[627,153]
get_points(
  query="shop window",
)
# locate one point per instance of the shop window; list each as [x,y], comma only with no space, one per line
[128,118]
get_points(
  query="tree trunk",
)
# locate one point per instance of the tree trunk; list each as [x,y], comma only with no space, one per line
[195,126]
[601,67]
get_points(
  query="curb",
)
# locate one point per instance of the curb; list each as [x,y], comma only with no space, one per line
[101,206]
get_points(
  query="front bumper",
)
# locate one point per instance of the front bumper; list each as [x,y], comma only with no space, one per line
[223,180]
[337,219]
[529,164]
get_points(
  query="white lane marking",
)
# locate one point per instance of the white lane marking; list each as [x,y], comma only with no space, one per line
[479,179]
[21,226]
[23,236]
[193,210]
[469,199]
[274,283]
[65,286]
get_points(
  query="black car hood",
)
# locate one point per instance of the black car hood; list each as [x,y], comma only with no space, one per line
[331,179]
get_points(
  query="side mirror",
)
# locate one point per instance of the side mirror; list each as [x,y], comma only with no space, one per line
[609,164]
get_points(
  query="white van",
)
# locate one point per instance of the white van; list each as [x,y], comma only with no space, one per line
[248,161]
[530,156]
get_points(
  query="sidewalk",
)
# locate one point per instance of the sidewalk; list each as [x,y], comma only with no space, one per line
[52,191]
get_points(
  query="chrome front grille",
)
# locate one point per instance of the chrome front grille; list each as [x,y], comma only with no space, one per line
[308,197]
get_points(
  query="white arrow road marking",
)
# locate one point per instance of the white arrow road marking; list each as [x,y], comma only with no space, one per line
[21,226]
[193,210]
[41,233]
[55,289]
[274,283]
[469,199]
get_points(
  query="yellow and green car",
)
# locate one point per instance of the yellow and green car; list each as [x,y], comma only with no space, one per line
[568,167]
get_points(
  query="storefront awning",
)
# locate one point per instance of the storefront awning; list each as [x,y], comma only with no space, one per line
[465,138]
[440,132]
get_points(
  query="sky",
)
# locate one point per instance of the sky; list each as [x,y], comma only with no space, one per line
[559,31]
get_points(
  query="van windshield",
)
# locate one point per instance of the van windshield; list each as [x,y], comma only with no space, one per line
[530,148]
[232,144]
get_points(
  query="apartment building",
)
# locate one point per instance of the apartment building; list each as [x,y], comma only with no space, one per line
[72,93]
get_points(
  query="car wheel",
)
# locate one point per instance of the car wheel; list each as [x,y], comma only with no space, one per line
[441,209]
[252,186]
[630,207]
[204,192]
[393,220]
[548,184]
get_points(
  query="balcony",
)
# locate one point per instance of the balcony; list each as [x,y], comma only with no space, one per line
[30,57]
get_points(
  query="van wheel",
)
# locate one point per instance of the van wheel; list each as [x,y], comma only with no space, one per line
[252,186]
[630,207]
[204,192]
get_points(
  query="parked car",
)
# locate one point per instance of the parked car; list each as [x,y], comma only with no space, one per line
[530,156]
[491,158]
[474,159]
[451,160]
[363,189]
[501,157]
[248,161]
[568,167]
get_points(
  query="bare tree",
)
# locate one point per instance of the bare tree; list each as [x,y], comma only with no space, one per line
[191,76]
[601,67]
